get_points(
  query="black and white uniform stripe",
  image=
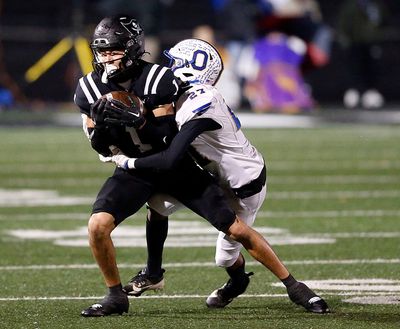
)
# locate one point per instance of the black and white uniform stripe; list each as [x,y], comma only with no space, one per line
[154,84]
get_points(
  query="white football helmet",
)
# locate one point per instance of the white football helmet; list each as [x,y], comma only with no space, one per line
[195,61]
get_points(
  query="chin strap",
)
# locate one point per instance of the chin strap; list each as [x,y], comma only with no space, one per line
[104,77]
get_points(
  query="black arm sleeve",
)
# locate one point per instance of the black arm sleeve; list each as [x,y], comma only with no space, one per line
[158,131]
[169,158]
[100,141]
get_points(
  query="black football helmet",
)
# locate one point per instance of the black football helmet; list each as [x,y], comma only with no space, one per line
[120,32]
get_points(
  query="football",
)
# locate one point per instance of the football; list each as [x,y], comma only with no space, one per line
[126,98]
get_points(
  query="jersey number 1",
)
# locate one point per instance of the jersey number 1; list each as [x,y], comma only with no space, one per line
[136,140]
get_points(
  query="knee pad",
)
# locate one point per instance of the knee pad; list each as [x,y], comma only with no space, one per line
[225,259]
[227,251]
[164,204]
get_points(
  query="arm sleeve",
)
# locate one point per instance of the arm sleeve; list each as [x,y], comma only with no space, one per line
[99,138]
[100,141]
[169,158]
[158,131]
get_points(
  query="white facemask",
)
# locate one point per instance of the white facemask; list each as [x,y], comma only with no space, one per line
[110,68]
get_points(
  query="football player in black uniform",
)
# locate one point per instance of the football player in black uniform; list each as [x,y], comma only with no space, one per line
[118,45]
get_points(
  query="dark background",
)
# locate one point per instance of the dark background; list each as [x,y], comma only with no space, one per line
[28,29]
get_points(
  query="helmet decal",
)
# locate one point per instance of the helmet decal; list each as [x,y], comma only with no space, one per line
[131,25]
[199,61]
[195,61]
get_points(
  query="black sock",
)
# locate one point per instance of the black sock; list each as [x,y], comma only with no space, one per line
[237,273]
[156,234]
[115,290]
[289,281]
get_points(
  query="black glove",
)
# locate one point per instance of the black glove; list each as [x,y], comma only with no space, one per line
[97,112]
[117,113]
[100,141]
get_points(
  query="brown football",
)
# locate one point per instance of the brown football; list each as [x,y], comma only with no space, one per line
[126,98]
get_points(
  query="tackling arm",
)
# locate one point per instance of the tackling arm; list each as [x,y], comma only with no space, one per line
[160,127]
[169,158]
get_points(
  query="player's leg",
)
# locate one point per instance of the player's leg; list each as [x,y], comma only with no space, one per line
[257,247]
[151,277]
[209,201]
[160,206]
[261,251]
[228,255]
[236,285]
[121,196]
[99,228]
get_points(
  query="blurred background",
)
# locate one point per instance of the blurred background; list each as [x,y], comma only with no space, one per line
[281,56]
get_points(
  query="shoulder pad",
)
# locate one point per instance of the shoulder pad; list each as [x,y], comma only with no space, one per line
[194,103]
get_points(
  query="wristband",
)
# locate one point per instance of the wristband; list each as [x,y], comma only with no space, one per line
[130,163]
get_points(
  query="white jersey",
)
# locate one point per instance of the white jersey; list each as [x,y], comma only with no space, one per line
[233,158]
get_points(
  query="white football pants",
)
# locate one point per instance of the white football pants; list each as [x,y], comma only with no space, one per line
[227,250]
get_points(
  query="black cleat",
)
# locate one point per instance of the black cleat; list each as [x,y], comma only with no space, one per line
[221,297]
[142,282]
[109,305]
[300,294]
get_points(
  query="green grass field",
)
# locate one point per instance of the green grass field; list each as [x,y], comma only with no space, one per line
[332,215]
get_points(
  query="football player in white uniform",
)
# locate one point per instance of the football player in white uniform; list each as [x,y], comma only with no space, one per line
[207,125]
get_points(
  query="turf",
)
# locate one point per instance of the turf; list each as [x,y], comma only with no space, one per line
[337,186]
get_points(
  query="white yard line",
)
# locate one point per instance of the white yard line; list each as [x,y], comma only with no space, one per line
[325,165]
[45,298]
[44,182]
[49,216]
[330,213]
[37,197]
[376,213]
[134,298]
[362,194]
[335,179]
[275,165]
[275,180]
[202,264]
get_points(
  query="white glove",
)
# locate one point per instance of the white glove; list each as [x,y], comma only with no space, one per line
[114,150]
[105,159]
[121,160]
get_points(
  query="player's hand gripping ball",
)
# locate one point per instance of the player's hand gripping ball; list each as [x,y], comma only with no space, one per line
[118,108]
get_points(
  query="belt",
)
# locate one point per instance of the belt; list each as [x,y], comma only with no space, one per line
[254,187]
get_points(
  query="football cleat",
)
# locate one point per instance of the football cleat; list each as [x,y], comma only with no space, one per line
[142,282]
[221,297]
[109,305]
[300,294]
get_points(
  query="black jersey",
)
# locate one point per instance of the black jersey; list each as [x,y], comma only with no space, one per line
[155,85]
[127,191]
